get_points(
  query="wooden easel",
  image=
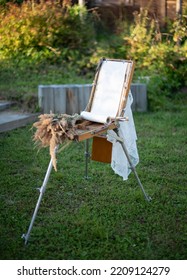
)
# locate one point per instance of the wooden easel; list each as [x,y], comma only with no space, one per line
[89,129]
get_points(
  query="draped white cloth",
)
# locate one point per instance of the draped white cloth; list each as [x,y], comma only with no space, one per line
[127,132]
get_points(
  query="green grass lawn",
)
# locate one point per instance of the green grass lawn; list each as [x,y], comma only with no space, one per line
[103,217]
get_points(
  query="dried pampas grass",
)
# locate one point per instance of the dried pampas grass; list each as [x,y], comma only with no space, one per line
[52,130]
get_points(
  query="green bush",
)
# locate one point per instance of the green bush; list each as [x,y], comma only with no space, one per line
[46,30]
[159,56]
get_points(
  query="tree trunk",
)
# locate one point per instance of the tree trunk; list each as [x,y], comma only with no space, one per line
[179,7]
[81,2]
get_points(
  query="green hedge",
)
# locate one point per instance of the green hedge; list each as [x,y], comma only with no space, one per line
[161,57]
[46,30]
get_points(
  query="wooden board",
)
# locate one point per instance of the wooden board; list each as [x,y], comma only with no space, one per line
[93,129]
[101,149]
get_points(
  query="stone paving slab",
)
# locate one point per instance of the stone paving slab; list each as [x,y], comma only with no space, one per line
[5,104]
[10,119]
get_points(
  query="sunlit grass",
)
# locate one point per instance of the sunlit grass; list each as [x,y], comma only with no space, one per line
[103,217]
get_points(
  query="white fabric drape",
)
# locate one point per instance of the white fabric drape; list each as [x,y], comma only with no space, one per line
[127,132]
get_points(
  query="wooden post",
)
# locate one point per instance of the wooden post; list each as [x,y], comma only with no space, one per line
[163,10]
[139,93]
[46,98]
[81,3]
[179,8]
[83,96]
[72,100]
[59,95]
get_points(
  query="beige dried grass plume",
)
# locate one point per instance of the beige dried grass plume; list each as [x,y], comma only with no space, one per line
[52,130]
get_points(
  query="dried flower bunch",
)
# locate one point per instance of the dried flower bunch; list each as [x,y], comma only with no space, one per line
[52,130]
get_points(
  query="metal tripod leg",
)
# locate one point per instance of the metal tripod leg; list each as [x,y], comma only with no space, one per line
[87,157]
[148,198]
[42,191]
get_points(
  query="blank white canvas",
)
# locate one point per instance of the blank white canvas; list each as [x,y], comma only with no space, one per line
[109,88]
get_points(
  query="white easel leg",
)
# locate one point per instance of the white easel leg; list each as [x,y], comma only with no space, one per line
[42,191]
[119,139]
[87,157]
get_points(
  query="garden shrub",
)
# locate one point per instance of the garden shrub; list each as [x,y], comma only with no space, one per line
[160,57]
[46,30]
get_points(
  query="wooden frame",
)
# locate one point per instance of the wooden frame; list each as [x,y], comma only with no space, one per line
[92,129]
[126,86]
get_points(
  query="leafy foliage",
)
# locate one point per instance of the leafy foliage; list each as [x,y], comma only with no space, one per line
[160,56]
[45,30]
